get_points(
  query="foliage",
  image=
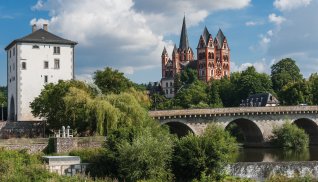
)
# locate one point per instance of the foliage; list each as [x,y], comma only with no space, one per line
[313,83]
[192,95]
[250,82]
[208,153]
[111,81]
[214,97]
[3,96]
[145,157]
[50,104]
[283,72]
[281,178]
[296,93]
[188,76]
[21,166]
[290,136]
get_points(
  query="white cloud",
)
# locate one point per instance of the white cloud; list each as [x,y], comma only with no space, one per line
[261,66]
[125,34]
[39,22]
[297,39]
[253,23]
[38,5]
[287,5]
[276,19]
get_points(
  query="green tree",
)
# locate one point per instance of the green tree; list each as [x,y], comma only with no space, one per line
[111,81]
[192,95]
[296,93]
[50,104]
[214,94]
[188,76]
[284,72]
[313,81]
[250,82]
[146,157]
[228,91]
[3,96]
[194,155]
[289,136]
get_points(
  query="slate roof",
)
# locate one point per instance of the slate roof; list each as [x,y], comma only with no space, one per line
[184,42]
[206,35]
[220,38]
[260,100]
[41,36]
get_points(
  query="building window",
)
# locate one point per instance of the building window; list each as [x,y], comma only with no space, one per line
[167,84]
[171,91]
[45,79]
[170,84]
[35,47]
[46,65]
[14,51]
[24,65]
[56,64]
[10,53]
[167,91]
[56,50]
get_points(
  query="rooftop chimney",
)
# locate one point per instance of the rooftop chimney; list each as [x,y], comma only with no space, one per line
[33,27]
[45,27]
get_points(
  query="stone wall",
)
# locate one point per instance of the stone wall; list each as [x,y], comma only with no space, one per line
[60,145]
[20,129]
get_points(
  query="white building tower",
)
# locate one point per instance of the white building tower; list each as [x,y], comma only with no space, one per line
[33,61]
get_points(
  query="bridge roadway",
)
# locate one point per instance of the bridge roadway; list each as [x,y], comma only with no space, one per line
[256,123]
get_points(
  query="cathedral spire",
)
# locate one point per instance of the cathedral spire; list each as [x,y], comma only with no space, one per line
[164,52]
[184,42]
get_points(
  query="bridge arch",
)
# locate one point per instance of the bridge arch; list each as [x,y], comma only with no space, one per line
[179,128]
[249,131]
[310,127]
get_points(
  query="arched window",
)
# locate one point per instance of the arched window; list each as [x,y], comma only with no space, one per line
[212,55]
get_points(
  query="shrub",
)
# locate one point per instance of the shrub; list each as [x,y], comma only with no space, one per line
[194,155]
[289,136]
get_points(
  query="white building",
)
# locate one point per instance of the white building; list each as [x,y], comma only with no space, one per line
[33,61]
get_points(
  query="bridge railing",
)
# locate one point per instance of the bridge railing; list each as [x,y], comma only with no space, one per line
[236,110]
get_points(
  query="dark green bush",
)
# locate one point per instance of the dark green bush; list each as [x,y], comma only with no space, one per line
[289,136]
[194,155]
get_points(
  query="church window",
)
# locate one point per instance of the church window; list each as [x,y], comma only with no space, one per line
[212,55]
[212,73]
[35,47]
[46,65]
[56,50]
[24,65]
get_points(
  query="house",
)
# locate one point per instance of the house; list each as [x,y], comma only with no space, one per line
[260,100]
[32,62]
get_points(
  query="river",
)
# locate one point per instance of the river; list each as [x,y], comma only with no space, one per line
[276,155]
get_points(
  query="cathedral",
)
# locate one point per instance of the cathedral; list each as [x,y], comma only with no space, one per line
[213,59]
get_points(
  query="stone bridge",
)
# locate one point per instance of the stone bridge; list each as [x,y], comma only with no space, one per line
[256,123]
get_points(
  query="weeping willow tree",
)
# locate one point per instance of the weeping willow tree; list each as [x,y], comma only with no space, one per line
[103,113]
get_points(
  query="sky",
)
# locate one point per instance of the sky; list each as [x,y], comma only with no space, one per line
[129,35]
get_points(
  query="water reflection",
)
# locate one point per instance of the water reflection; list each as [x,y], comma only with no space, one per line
[276,155]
